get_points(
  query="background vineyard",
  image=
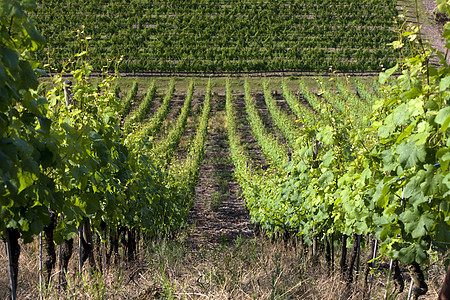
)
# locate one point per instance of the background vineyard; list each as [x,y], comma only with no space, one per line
[225,36]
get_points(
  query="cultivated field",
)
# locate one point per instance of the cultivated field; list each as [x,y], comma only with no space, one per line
[230,184]
[222,36]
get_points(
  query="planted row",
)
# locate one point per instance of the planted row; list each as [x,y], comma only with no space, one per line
[165,149]
[282,120]
[273,150]
[143,108]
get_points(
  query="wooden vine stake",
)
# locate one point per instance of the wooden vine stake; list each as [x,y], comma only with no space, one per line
[13,252]
[104,263]
[11,267]
[67,92]
[61,270]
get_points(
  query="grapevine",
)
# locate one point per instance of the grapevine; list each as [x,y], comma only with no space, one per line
[270,145]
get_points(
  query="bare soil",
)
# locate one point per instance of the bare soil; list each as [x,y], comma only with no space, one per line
[219,214]
[432,29]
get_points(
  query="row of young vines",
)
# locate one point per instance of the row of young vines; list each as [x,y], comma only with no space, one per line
[380,178]
[72,168]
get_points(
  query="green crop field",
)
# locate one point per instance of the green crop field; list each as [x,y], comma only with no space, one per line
[223,36]
[325,185]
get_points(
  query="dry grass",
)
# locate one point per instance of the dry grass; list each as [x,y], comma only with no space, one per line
[171,269]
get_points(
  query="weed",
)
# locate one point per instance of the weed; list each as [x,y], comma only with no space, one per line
[215,201]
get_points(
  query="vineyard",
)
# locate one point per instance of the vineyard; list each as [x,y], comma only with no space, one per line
[349,173]
[301,155]
[223,36]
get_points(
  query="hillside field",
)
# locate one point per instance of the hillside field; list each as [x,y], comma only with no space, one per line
[207,36]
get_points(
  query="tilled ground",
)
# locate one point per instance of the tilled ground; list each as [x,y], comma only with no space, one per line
[219,214]
[432,29]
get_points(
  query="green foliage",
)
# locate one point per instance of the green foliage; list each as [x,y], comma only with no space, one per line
[103,175]
[197,150]
[128,101]
[25,146]
[390,178]
[166,148]
[187,173]
[210,36]
[143,108]
[287,126]
[273,150]
[155,123]
[312,98]
[410,123]
[300,110]
[357,106]
[364,92]
[73,159]
[333,100]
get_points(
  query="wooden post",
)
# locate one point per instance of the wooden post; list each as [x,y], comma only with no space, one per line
[358,258]
[67,92]
[11,268]
[343,261]
[61,269]
[13,252]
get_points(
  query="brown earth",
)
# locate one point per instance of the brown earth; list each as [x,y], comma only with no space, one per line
[219,214]
[431,29]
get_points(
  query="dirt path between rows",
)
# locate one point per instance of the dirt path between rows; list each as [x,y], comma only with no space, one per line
[219,214]
[431,29]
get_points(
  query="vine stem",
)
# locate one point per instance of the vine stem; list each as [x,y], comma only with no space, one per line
[10,26]
[104,253]
[358,258]
[373,265]
[11,268]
